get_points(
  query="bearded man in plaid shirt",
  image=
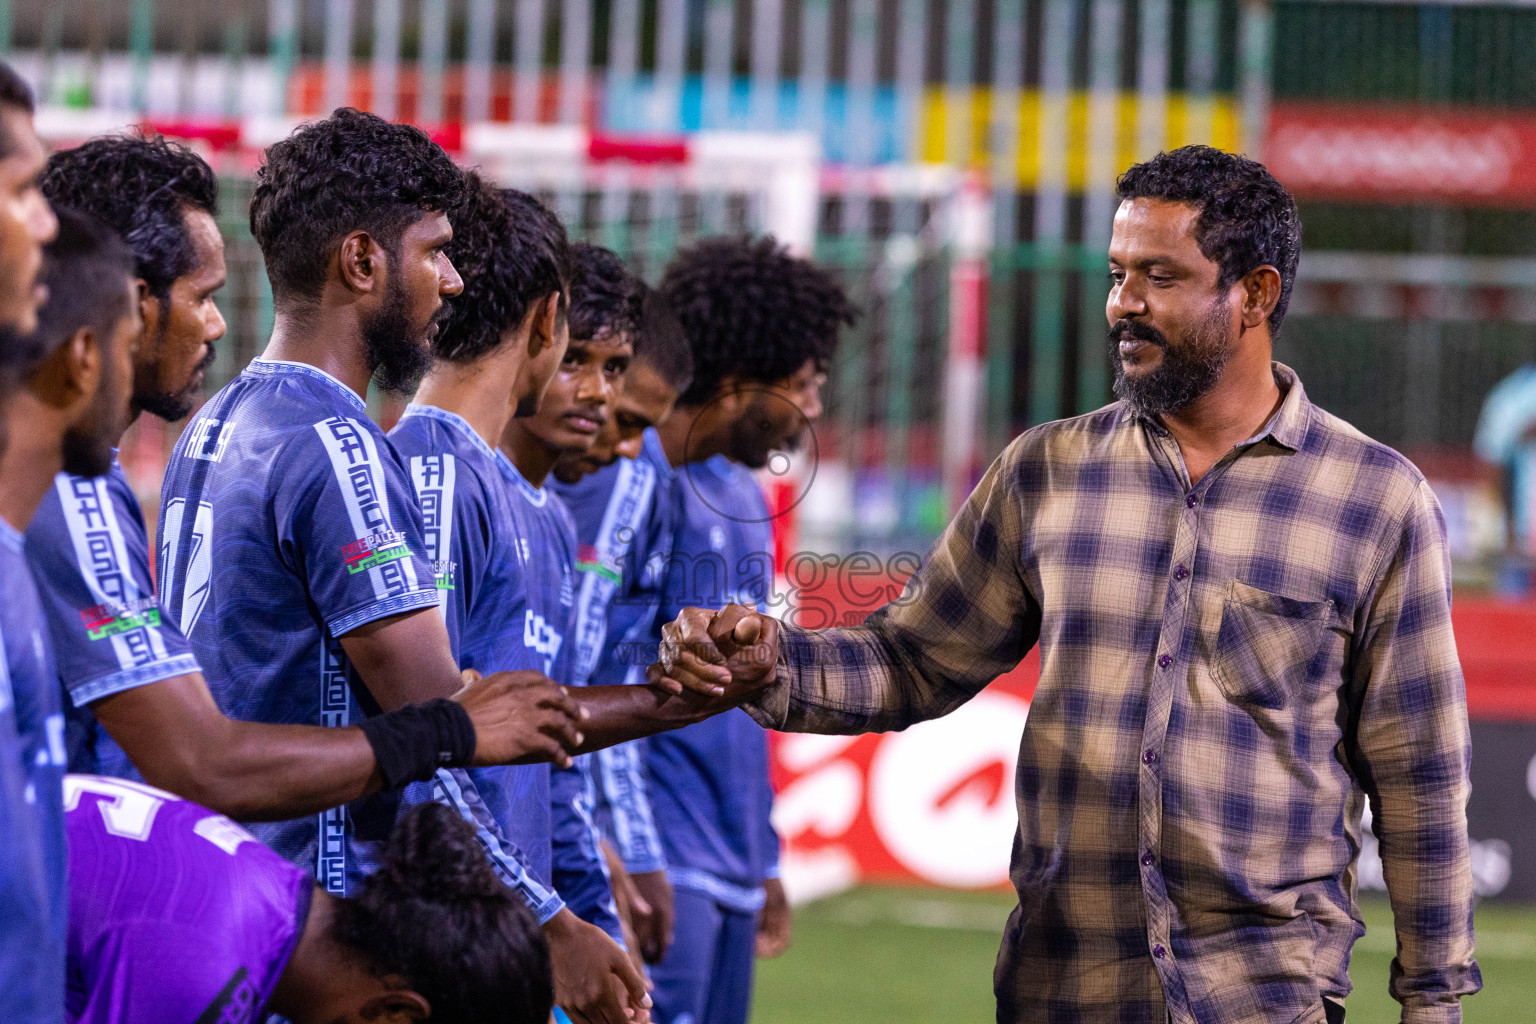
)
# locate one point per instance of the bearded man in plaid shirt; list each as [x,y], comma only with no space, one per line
[1243,611]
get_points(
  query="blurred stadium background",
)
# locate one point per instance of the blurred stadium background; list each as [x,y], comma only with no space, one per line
[954,160]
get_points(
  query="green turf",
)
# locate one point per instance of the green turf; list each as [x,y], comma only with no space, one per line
[917,955]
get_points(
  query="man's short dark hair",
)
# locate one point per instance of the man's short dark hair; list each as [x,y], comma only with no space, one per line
[661,342]
[140,187]
[16,94]
[87,269]
[752,310]
[511,251]
[605,297]
[1247,218]
[351,171]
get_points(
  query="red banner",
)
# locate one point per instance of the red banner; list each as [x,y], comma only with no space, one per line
[1403,153]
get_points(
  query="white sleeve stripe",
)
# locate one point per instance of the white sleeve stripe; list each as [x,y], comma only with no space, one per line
[364,488]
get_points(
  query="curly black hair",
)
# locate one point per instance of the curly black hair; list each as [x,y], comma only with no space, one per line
[752,310]
[661,343]
[605,297]
[436,915]
[511,251]
[351,171]
[141,187]
[1247,218]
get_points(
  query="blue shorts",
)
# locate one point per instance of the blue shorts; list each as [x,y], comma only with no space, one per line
[706,976]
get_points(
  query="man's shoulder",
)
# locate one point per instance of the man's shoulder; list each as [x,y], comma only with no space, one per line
[1373,471]
[1073,439]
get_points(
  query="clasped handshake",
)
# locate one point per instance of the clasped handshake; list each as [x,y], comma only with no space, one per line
[711,660]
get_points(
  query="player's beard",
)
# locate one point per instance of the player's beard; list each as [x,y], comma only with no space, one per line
[168,405]
[1187,371]
[399,353]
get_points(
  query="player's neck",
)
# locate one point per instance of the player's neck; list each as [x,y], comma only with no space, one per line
[1242,401]
[689,435]
[528,452]
[478,391]
[324,337]
[322,976]
[31,455]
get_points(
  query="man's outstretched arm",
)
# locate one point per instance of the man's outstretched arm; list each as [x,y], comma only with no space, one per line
[964,618]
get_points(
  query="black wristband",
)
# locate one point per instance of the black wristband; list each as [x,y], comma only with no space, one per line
[412,742]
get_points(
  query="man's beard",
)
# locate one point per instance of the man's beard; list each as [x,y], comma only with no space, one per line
[168,405]
[399,355]
[1187,371]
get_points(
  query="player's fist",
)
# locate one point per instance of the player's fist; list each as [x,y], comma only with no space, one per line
[521,718]
[733,652]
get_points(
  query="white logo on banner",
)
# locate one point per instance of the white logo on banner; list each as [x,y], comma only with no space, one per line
[941,794]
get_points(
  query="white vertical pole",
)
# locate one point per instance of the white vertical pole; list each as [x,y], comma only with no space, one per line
[767,36]
[529,58]
[338,52]
[480,49]
[1256,41]
[386,57]
[575,58]
[815,44]
[718,17]
[284,32]
[434,57]
[1099,190]
[1152,80]
[623,47]
[911,54]
[671,30]
[1201,40]
[963,378]
[860,152]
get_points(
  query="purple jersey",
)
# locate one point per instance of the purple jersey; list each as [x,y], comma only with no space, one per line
[176,914]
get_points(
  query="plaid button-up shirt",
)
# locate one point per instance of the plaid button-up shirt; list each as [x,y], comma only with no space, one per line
[1227,671]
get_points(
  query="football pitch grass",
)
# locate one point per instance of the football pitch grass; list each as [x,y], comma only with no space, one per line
[915,956]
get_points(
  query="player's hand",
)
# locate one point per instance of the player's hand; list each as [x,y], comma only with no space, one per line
[707,652]
[521,718]
[625,900]
[773,921]
[652,913]
[595,982]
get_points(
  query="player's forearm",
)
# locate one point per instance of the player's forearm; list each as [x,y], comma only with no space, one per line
[257,772]
[618,714]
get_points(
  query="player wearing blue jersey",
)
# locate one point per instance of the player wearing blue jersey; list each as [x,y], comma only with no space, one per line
[489,361]
[118,655]
[618,493]
[290,543]
[72,402]
[762,325]
[178,914]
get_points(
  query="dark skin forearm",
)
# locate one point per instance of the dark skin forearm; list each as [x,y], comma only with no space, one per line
[180,741]
[619,714]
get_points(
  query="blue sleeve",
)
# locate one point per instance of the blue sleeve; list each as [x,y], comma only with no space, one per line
[453,787]
[580,872]
[352,530]
[90,557]
[435,483]
[1508,411]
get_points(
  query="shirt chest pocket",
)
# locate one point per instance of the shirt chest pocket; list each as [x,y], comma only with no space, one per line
[1266,645]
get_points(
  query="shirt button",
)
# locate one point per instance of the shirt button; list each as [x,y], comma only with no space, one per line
[1148,858]
[1150,757]
[1159,952]
[1189,500]
[1181,573]
[1164,661]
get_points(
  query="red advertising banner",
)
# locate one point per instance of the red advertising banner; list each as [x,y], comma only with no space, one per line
[934,804]
[1377,152]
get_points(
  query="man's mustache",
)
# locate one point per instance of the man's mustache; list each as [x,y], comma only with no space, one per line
[1137,330]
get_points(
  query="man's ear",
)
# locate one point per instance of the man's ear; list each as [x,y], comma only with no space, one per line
[362,263]
[150,309]
[541,333]
[732,395]
[68,378]
[1261,292]
[396,1007]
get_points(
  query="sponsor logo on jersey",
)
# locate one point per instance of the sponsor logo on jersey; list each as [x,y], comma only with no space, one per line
[443,572]
[108,620]
[376,549]
[588,559]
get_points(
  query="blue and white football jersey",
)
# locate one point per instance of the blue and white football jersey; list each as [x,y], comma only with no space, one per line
[624,526]
[33,894]
[89,553]
[547,539]
[287,521]
[464,488]
[708,782]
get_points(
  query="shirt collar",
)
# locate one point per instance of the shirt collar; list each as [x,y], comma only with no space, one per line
[262,365]
[1286,428]
[453,421]
[11,537]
